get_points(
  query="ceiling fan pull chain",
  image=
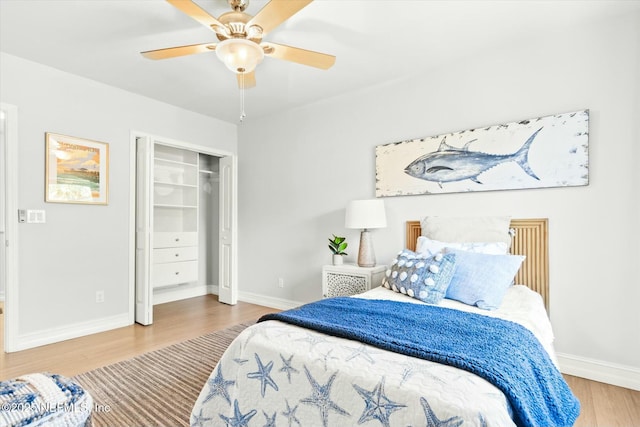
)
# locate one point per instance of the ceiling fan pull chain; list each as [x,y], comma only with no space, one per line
[242,113]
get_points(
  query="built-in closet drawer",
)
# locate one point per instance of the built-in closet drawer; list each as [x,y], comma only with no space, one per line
[188,253]
[174,273]
[174,239]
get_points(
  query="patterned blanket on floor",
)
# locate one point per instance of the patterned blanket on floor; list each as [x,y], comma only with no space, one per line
[44,400]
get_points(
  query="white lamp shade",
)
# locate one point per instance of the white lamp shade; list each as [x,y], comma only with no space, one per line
[239,55]
[365,214]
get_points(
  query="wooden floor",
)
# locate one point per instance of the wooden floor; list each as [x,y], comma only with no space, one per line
[603,405]
[173,322]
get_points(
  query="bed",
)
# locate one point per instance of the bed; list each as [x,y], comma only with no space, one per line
[386,357]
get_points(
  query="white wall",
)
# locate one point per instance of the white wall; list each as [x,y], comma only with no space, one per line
[298,171]
[82,248]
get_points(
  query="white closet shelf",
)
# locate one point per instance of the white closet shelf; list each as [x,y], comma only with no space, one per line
[164,205]
[175,162]
[175,184]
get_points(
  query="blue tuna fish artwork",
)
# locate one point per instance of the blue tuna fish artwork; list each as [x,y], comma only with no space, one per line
[542,152]
[456,164]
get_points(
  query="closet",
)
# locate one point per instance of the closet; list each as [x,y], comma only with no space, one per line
[183,231]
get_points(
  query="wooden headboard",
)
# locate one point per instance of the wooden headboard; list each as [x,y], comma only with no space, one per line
[530,239]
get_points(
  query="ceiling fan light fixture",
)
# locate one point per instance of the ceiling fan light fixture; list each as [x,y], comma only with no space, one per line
[239,55]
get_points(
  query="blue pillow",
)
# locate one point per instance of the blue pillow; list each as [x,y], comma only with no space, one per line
[482,279]
[420,276]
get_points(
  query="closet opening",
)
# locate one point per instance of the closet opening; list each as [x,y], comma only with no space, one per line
[185,224]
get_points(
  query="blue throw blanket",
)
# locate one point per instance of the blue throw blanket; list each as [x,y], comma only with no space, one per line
[504,353]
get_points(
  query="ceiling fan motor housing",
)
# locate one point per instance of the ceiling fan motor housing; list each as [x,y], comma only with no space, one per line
[236,24]
[238,5]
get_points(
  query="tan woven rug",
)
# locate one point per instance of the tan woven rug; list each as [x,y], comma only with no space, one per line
[158,388]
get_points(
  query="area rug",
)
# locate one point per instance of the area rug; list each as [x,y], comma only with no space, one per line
[158,388]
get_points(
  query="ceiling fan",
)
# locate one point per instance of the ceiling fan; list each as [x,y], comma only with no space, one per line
[241,47]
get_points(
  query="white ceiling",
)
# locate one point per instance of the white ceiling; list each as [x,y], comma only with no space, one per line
[374,41]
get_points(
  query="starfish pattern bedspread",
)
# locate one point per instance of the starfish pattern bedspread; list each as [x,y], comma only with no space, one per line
[277,374]
[503,352]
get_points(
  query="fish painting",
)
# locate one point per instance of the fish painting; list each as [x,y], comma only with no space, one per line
[450,164]
[540,152]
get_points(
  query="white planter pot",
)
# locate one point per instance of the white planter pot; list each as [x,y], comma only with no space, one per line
[338,259]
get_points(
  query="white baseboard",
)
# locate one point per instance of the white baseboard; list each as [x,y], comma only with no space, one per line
[50,336]
[596,370]
[76,330]
[177,294]
[267,301]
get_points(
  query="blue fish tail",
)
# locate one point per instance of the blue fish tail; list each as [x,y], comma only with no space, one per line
[522,156]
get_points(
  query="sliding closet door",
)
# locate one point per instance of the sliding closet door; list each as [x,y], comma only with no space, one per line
[228,278]
[144,225]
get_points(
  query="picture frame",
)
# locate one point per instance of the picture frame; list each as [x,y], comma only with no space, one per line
[540,152]
[76,170]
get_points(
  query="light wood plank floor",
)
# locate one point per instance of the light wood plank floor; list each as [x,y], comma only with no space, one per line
[173,322]
[603,405]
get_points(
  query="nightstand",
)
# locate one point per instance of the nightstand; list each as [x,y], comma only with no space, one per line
[349,279]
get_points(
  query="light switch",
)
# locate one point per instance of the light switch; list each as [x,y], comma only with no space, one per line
[36,217]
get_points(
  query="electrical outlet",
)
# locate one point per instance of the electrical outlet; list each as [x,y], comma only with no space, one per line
[99,296]
[280,282]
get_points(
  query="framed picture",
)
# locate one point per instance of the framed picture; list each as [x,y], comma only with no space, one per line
[542,152]
[76,170]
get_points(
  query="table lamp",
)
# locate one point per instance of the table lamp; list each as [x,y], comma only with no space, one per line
[365,215]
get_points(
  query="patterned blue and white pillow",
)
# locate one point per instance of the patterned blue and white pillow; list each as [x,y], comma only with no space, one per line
[419,276]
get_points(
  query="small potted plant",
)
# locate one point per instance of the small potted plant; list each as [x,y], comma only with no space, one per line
[337,246]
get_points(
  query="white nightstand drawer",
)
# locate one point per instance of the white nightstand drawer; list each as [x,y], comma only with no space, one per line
[170,240]
[188,253]
[174,273]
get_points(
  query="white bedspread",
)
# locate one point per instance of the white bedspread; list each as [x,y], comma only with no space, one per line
[279,374]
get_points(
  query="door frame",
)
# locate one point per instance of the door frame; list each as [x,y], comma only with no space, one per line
[10,156]
[132,205]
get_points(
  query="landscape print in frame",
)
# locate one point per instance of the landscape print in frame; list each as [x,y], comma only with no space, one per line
[77,170]
[550,151]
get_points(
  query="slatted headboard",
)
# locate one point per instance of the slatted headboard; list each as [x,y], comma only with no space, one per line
[530,239]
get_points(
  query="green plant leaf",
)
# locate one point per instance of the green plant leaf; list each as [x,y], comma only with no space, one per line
[338,244]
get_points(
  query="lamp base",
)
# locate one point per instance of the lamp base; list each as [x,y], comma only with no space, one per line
[366,255]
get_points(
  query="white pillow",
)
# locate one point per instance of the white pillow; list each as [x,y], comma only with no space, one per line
[467,229]
[429,247]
